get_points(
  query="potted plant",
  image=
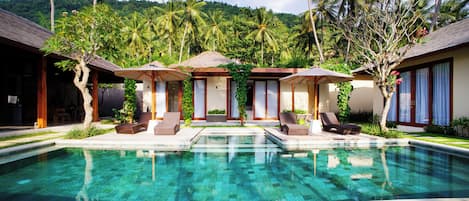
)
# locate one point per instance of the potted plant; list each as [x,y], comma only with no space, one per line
[216,115]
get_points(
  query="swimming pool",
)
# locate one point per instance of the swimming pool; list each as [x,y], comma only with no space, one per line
[269,174]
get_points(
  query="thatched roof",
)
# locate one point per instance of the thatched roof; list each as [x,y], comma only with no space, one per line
[453,35]
[205,59]
[29,34]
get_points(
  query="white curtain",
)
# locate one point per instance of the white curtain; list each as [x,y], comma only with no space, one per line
[272,99]
[260,98]
[441,87]
[404,97]
[392,115]
[160,99]
[199,98]
[421,96]
[234,102]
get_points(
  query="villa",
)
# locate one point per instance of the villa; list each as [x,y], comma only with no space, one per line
[33,89]
[434,87]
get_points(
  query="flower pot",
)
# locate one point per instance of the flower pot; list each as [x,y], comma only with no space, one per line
[216,118]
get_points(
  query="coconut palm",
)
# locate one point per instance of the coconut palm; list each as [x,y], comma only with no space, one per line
[138,37]
[452,11]
[313,26]
[263,31]
[192,20]
[52,13]
[214,35]
[167,24]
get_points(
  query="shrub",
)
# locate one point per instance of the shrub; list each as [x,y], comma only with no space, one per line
[361,117]
[447,130]
[461,126]
[374,129]
[298,111]
[77,133]
[216,111]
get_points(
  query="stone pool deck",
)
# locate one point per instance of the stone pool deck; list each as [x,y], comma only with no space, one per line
[144,140]
[329,140]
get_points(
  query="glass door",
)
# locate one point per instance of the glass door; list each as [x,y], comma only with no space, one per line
[174,94]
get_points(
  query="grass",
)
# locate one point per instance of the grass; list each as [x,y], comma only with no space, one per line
[77,133]
[27,135]
[440,139]
[374,129]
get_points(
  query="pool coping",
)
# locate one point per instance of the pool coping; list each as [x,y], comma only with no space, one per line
[440,147]
[330,140]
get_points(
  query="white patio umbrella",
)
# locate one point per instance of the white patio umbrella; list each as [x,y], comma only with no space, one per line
[154,71]
[318,76]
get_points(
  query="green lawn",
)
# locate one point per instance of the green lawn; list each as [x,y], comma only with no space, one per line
[440,139]
[27,138]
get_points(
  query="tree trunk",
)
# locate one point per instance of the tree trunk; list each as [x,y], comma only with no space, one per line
[387,105]
[170,50]
[321,56]
[82,73]
[436,12]
[182,43]
[262,52]
[347,51]
[83,194]
[52,15]
[95,2]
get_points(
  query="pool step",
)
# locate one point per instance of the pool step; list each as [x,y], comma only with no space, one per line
[232,131]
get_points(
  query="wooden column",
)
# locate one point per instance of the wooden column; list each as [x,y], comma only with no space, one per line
[292,97]
[42,93]
[153,97]
[316,101]
[94,94]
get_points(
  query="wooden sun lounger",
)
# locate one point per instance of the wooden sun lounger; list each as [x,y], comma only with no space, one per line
[330,123]
[289,126]
[170,124]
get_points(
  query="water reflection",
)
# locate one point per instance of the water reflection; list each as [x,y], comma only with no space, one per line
[83,194]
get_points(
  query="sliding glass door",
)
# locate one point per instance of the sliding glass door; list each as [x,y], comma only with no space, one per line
[199,98]
[234,112]
[424,96]
[160,99]
[266,99]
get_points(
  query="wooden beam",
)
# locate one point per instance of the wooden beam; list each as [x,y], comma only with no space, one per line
[42,93]
[292,97]
[153,97]
[94,93]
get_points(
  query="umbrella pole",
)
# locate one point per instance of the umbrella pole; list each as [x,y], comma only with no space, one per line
[316,103]
[153,97]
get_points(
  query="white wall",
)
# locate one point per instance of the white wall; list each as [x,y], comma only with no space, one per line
[216,93]
[360,98]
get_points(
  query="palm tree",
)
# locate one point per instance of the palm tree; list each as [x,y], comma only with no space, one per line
[214,36]
[52,13]
[167,24]
[435,15]
[321,56]
[263,31]
[192,20]
[452,11]
[138,37]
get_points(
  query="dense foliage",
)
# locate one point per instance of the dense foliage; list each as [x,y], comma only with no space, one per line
[240,74]
[187,103]
[345,89]
[156,31]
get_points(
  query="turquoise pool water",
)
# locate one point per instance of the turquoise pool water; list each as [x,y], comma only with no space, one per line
[334,174]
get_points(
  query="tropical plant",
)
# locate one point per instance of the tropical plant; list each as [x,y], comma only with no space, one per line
[167,23]
[187,103]
[240,74]
[137,39]
[81,37]
[130,101]
[262,31]
[214,36]
[192,20]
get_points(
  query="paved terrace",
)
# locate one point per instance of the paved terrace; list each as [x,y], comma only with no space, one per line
[329,140]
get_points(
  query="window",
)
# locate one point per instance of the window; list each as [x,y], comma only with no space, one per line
[424,96]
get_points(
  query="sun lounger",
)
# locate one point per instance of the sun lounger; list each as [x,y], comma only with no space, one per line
[169,125]
[141,125]
[289,126]
[330,123]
